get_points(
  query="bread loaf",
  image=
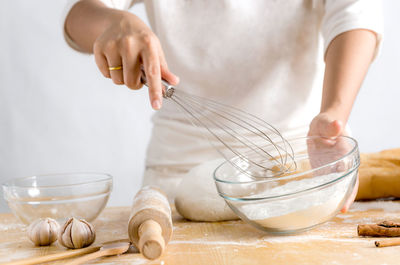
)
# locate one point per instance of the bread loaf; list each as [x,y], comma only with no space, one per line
[379,175]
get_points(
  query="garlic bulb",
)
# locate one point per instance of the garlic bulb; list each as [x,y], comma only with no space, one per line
[76,234]
[43,232]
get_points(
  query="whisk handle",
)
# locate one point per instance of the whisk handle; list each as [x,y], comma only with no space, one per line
[168,89]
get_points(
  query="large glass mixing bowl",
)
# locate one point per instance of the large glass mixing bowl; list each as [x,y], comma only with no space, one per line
[322,177]
[58,196]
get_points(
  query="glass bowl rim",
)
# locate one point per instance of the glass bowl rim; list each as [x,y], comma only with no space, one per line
[11,183]
[354,149]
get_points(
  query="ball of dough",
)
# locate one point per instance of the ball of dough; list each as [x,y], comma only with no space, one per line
[197,198]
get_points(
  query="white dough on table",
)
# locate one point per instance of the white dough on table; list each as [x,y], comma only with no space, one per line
[197,198]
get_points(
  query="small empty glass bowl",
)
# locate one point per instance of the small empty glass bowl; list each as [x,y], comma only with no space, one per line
[324,173]
[58,196]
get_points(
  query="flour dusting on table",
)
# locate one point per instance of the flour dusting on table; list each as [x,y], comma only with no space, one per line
[12,226]
[272,239]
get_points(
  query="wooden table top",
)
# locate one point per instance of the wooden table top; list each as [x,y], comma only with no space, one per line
[233,242]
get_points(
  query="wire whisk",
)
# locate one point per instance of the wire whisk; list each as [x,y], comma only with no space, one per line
[249,143]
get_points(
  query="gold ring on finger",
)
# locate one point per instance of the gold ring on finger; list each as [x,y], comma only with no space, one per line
[113,68]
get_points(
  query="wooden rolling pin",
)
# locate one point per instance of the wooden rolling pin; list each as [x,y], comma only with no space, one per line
[150,223]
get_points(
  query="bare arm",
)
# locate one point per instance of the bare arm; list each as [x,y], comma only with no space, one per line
[347,60]
[119,38]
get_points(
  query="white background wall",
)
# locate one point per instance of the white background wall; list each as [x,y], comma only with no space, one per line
[375,119]
[58,114]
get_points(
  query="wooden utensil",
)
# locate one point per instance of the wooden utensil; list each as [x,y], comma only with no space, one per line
[52,257]
[150,223]
[66,254]
[106,250]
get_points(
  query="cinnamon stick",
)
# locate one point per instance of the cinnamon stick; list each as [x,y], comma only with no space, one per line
[388,243]
[385,228]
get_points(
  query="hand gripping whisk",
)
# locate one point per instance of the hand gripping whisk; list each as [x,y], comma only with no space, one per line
[250,144]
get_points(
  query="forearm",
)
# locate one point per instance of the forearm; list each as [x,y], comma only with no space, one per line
[87,19]
[347,60]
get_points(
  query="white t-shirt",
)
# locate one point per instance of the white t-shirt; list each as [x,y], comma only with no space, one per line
[264,57]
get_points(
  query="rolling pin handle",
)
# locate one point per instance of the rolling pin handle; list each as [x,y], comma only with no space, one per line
[151,242]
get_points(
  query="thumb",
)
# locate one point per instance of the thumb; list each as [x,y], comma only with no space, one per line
[333,128]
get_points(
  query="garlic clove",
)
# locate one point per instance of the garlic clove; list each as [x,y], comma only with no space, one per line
[77,234]
[82,233]
[66,239]
[43,232]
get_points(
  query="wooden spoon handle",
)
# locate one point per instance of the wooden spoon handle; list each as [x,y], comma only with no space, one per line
[92,256]
[53,257]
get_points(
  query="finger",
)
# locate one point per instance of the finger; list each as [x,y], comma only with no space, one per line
[102,64]
[333,128]
[115,60]
[131,72]
[151,66]
[351,199]
[166,74]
